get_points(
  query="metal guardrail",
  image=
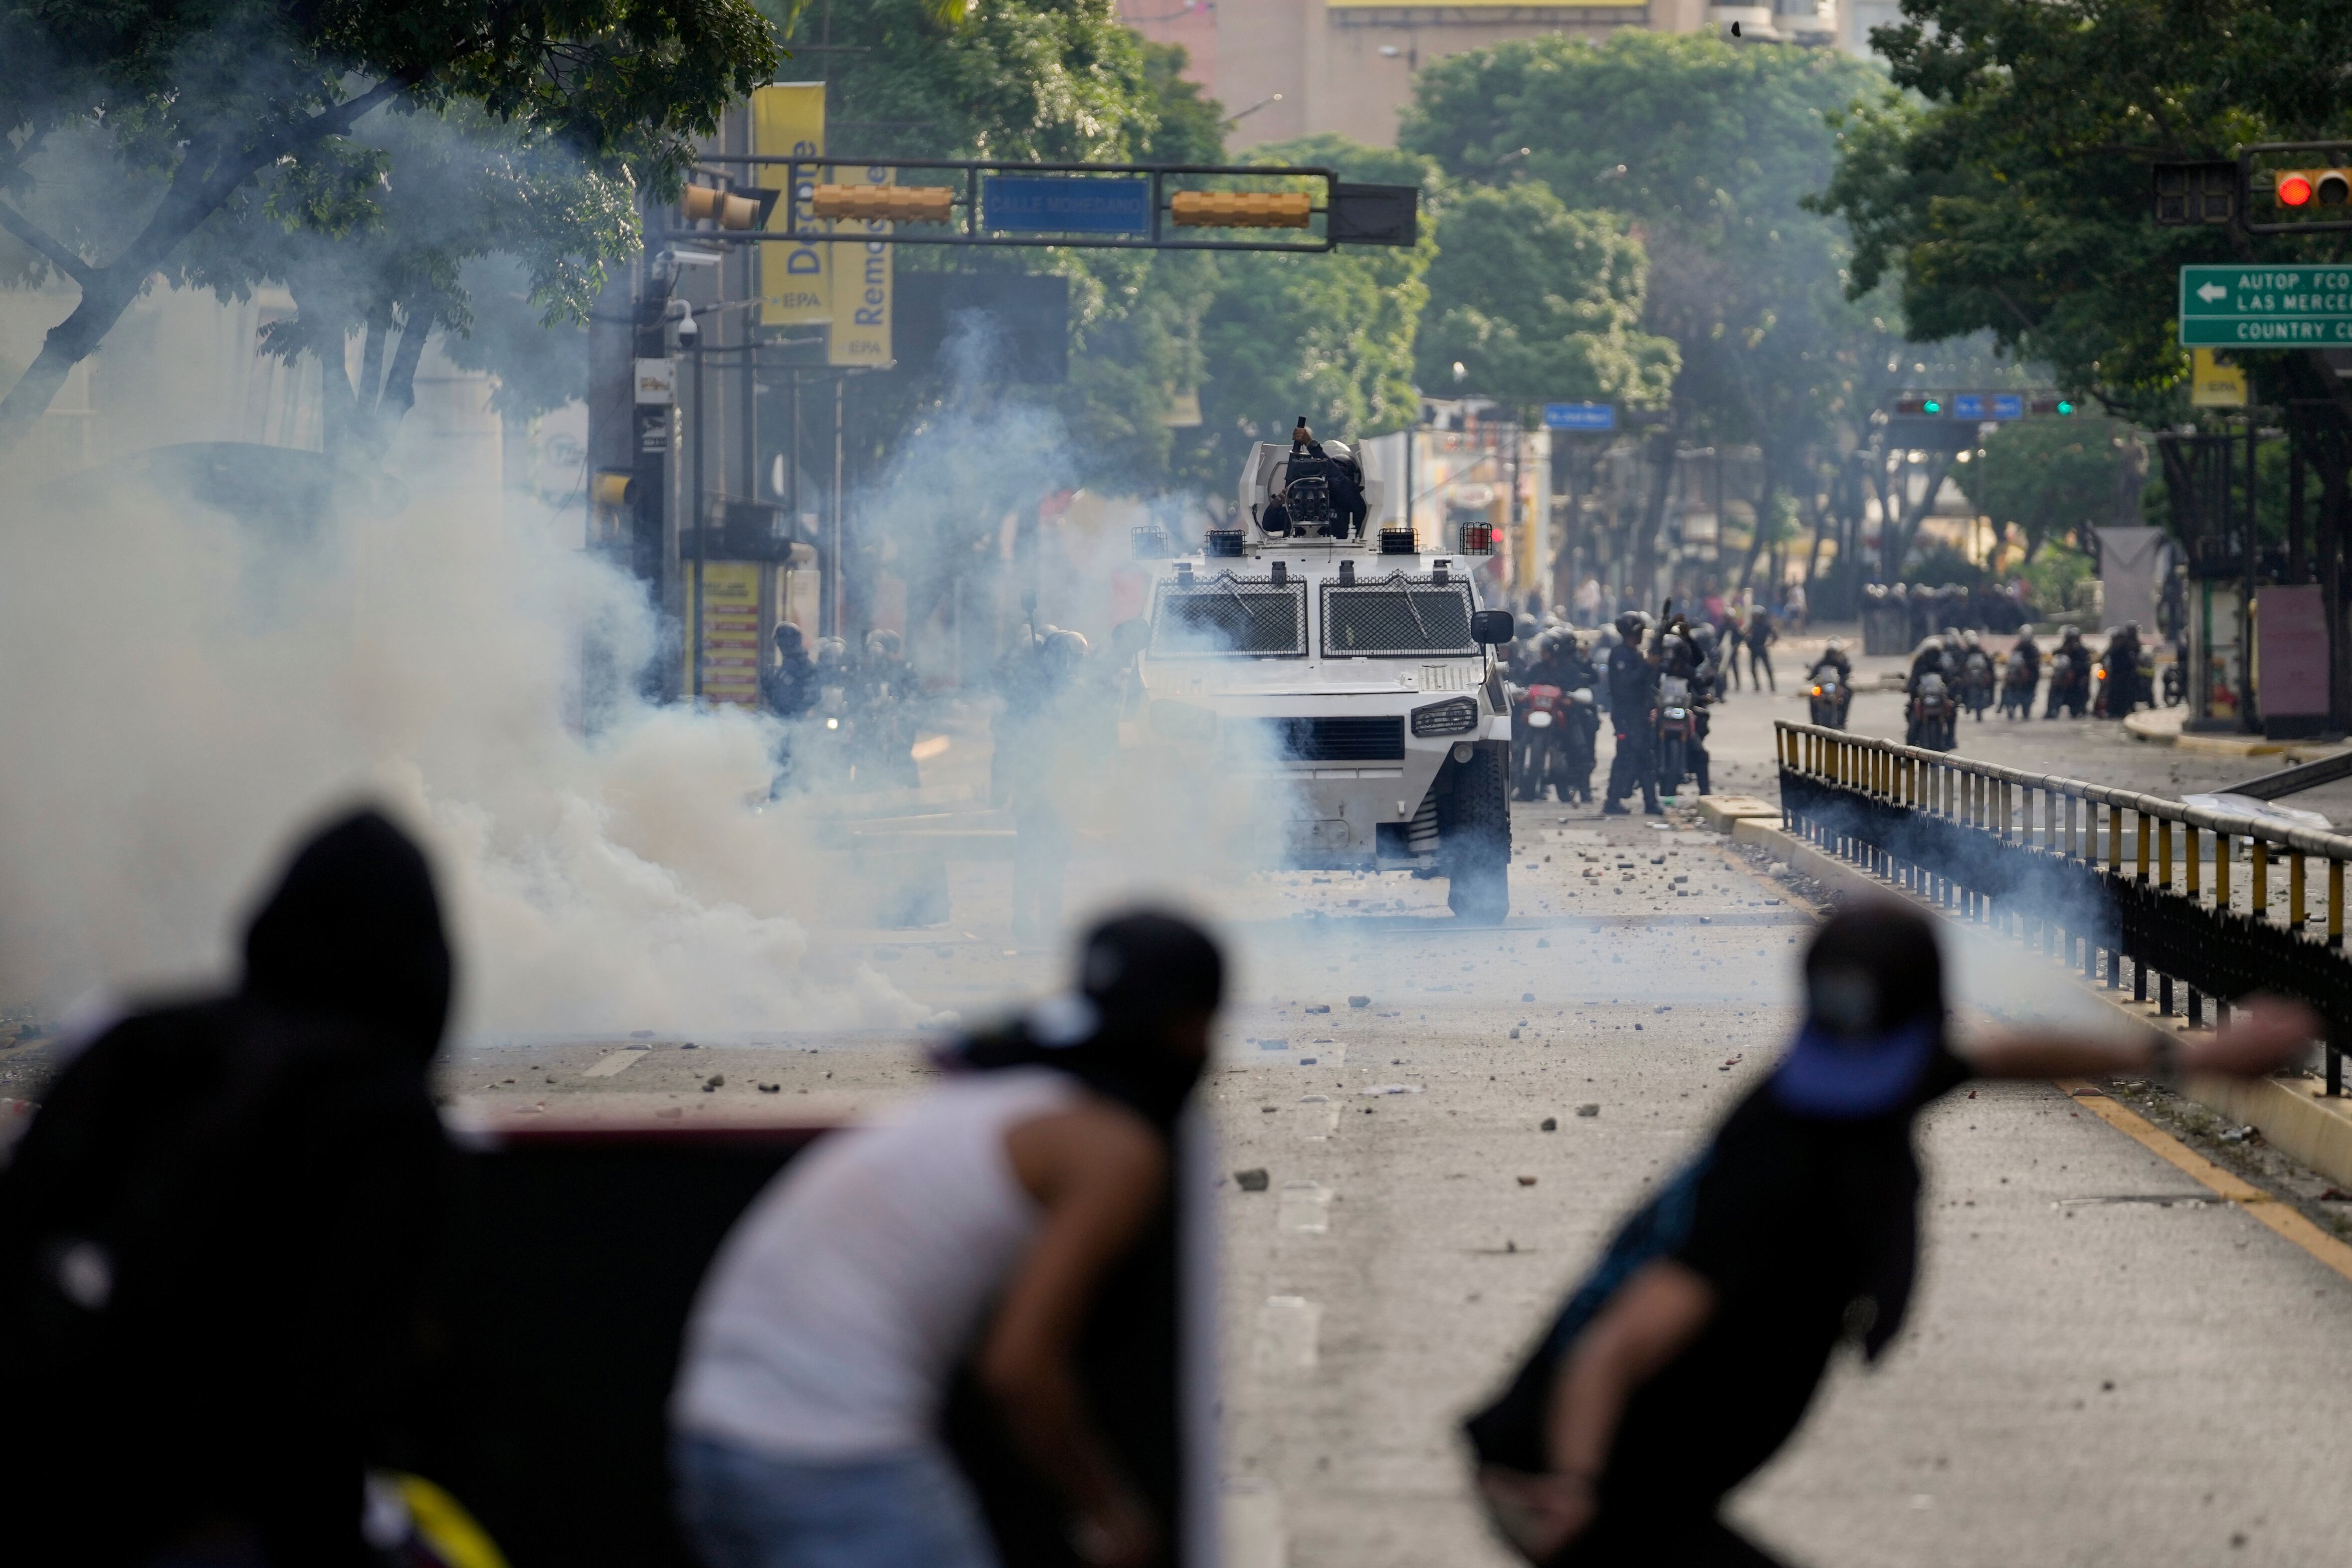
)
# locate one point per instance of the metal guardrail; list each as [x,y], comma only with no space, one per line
[2092,876]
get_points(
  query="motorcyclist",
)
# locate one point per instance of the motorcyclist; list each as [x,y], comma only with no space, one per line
[2122,661]
[1934,659]
[1840,667]
[1930,658]
[1560,662]
[1975,665]
[2069,670]
[1633,701]
[2028,653]
[1689,656]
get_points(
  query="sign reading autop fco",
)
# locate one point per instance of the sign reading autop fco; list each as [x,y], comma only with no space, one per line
[2265,307]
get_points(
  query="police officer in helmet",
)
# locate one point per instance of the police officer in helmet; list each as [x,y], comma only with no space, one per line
[1633,703]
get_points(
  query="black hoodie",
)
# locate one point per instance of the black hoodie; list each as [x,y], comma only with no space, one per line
[215,1235]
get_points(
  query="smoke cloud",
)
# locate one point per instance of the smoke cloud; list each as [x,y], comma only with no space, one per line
[191,688]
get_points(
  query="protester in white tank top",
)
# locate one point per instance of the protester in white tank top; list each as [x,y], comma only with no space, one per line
[834,1317]
[821,1346]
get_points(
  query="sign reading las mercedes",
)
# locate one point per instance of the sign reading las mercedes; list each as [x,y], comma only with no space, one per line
[2265,307]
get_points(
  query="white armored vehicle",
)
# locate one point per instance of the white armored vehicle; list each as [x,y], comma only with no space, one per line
[1348,671]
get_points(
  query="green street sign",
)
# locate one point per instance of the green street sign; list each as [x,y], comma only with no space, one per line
[2265,307]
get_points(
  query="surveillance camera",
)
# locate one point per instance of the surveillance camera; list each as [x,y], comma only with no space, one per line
[688,332]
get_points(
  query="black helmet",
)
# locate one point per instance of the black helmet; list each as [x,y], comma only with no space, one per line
[789,641]
[1629,625]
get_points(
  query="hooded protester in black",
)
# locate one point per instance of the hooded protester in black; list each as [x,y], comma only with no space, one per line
[1136,974]
[1800,1213]
[217,1236]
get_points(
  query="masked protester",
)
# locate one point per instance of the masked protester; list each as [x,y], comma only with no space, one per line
[977,1222]
[1689,1354]
[217,1234]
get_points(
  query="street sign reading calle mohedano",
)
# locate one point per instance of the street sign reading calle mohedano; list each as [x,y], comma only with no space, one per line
[2265,307]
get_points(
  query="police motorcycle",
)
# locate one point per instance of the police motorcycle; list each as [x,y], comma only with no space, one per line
[2070,678]
[2017,690]
[825,756]
[1934,717]
[1827,696]
[1678,725]
[2175,674]
[1976,693]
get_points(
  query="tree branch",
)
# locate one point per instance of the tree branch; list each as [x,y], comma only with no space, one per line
[32,234]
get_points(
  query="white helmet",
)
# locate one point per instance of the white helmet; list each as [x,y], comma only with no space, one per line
[1336,449]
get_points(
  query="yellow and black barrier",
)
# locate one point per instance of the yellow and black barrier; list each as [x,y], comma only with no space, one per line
[2107,878]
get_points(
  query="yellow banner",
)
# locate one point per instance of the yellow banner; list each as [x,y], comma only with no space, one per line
[862,286]
[729,609]
[788,121]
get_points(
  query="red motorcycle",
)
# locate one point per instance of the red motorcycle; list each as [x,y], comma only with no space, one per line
[1554,728]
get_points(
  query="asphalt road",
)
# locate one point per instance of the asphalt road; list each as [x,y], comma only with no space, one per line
[2101,1366]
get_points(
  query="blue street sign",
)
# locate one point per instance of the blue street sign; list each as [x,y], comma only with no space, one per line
[1968,406]
[1049,204]
[1579,416]
[2007,405]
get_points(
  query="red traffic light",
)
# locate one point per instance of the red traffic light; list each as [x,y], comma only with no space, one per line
[2295,189]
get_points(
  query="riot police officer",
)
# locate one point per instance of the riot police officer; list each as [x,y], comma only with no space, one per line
[1633,705]
[878,698]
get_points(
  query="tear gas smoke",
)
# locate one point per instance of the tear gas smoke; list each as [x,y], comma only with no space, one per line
[190,689]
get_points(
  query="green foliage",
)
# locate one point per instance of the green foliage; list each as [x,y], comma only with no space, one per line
[2007,189]
[2049,477]
[1330,336]
[198,107]
[1711,149]
[2053,575]
[1537,304]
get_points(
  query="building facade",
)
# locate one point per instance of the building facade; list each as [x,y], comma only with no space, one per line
[1286,68]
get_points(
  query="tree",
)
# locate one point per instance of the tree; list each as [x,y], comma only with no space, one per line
[1711,148]
[1536,304]
[193,103]
[2049,477]
[2007,189]
[1330,336]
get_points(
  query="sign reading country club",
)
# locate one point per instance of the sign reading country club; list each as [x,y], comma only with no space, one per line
[1062,203]
[2265,307]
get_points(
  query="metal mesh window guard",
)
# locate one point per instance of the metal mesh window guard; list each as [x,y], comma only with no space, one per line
[1229,614]
[1396,617]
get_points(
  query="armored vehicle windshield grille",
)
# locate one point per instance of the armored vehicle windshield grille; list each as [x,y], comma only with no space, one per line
[1396,617]
[1367,739]
[1229,614]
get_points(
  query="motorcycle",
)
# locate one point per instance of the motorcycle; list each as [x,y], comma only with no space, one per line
[1678,733]
[1560,726]
[2017,690]
[1934,720]
[2176,681]
[2069,684]
[1829,697]
[1976,683]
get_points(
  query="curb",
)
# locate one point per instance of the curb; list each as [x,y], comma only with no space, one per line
[2156,726]
[2289,1114]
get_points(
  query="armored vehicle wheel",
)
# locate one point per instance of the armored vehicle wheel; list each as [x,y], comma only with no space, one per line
[1474,838]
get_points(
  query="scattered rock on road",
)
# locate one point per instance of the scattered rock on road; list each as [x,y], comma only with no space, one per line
[1588,1110]
[1251,1180]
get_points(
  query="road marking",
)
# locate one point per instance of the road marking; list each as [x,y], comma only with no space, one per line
[616,1062]
[1305,1206]
[2262,1208]
[1288,1328]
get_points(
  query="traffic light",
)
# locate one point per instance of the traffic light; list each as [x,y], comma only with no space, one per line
[2047,404]
[2313,188]
[743,207]
[1920,404]
[1240,209]
[2203,192]
[886,203]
